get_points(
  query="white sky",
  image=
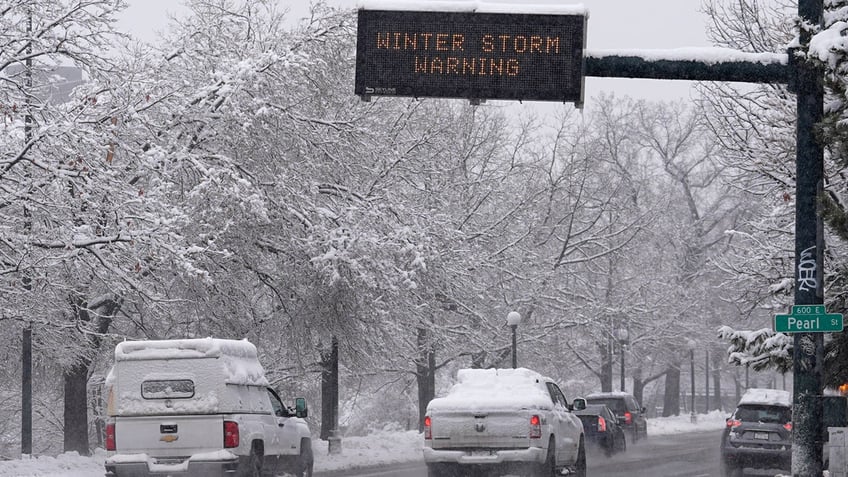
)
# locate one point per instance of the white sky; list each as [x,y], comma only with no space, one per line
[612,24]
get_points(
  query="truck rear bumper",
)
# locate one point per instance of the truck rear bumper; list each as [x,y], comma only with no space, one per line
[485,456]
[193,468]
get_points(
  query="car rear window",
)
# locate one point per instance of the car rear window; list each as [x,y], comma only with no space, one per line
[763,413]
[617,405]
[167,389]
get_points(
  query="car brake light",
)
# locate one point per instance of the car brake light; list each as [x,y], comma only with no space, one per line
[602,424]
[110,437]
[428,431]
[734,423]
[628,418]
[535,427]
[788,426]
[231,434]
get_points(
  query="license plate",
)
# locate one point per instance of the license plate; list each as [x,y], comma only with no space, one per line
[761,436]
[481,453]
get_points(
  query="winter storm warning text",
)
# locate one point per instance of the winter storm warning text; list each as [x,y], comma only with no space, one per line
[445,53]
[474,55]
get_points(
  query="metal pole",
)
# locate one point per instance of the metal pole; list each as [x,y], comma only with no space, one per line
[692,373]
[26,392]
[514,347]
[621,344]
[26,343]
[707,380]
[809,273]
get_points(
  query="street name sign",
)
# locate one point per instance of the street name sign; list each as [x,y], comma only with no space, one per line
[474,55]
[808,319]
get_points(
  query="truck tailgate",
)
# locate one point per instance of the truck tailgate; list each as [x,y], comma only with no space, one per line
[169,436]
[489,429]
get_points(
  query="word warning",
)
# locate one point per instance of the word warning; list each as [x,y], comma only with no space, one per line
[470,55]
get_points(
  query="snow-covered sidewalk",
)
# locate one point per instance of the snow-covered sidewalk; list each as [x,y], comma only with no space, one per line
[375,449]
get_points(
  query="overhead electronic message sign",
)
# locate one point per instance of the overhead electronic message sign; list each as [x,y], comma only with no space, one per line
[470,55]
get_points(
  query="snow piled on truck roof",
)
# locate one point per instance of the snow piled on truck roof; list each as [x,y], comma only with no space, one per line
[487,389]
[183,348]
[239,358]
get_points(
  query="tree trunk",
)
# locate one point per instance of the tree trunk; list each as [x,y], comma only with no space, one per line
[425,374]
[330,389]
[75,379]
[76,409]
[606,367]
[638,389]
[737,385]
[671,399]
[478,360]
[717,362]
[639,384]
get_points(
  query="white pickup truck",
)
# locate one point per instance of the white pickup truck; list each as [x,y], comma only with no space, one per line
[200,407]
[503,421]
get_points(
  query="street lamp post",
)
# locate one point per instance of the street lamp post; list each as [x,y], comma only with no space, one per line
[513,319]
[692,416]
[621,334]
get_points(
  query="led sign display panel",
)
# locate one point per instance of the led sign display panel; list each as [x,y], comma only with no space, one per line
[535,57]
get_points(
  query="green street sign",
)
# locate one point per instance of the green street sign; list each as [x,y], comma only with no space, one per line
[808,319]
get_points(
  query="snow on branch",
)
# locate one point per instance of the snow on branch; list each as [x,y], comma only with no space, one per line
[760,349]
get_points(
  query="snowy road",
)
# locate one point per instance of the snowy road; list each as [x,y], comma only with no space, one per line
[694,454]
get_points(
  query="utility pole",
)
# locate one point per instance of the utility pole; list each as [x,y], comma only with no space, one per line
[26,338]
[707,380]
[809,251]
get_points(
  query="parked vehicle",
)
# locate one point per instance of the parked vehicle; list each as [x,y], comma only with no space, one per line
[197,407]
[503,420]
[601,429]
[630,415]
[758,433]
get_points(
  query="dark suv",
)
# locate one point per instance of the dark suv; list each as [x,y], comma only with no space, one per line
[758,433]
[630,415]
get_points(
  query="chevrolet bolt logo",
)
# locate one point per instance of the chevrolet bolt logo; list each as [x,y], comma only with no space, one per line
[169,438]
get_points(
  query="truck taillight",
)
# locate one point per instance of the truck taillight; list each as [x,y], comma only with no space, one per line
[535,427]
[110,437]
[788,426]
[628,418]
[428,431]
[231,434]
[602,424]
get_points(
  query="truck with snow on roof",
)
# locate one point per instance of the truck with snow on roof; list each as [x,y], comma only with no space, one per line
[495,421]
[199,407]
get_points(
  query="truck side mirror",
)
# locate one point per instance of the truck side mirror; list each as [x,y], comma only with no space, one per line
[300,409]
[578,404]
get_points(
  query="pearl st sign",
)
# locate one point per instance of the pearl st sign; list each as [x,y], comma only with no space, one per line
[808,319]
[472,55]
